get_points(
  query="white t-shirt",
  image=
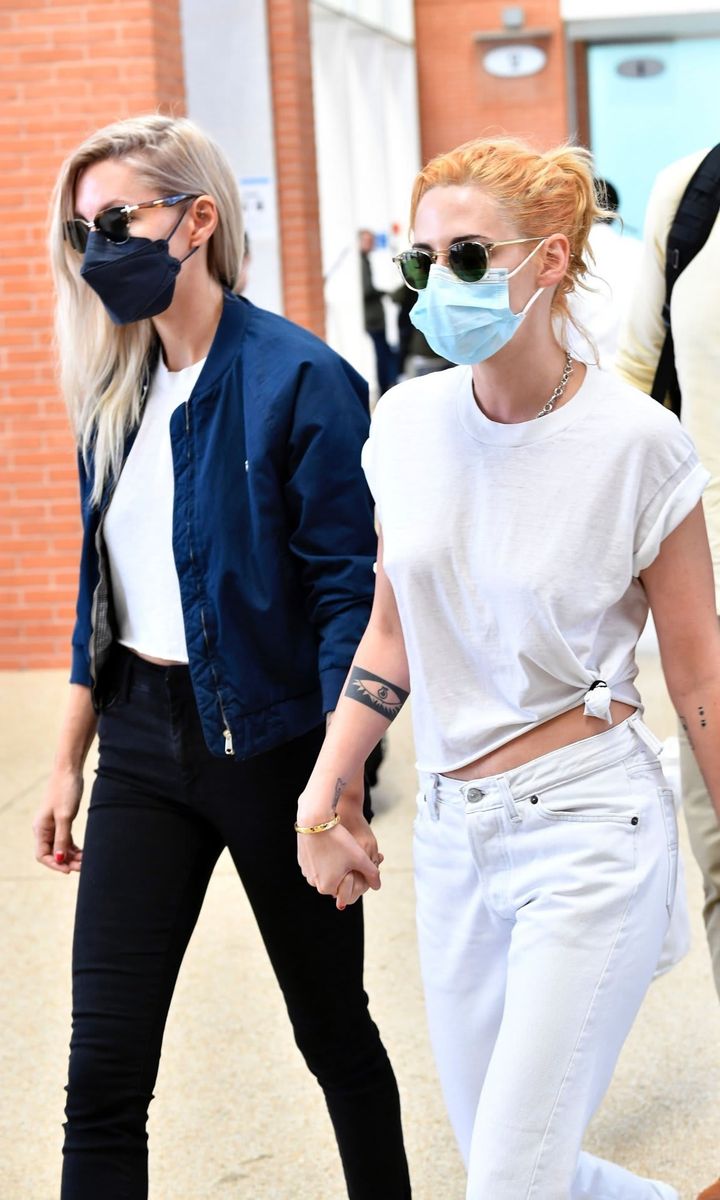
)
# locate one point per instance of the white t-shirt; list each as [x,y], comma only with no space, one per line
[138,527]
[514,550]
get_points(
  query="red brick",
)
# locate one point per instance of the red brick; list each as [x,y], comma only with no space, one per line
[66,69]
[291,59]
[459,100]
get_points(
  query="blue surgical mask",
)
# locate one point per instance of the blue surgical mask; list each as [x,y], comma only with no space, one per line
[469,322]
[134,279]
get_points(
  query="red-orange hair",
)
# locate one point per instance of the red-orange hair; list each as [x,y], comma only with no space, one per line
[541,192]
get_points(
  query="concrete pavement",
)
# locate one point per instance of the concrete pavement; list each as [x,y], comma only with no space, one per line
[237,1115]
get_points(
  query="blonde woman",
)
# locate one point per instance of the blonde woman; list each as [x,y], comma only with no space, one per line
[225,579]
[532,510]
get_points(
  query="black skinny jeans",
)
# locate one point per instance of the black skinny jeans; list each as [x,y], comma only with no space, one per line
[161,812]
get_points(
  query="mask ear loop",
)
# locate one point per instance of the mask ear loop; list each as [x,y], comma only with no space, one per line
[501,274]
[174,230]
[525,261]
[524,311]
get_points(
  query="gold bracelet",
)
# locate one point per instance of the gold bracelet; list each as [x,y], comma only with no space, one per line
[318,828]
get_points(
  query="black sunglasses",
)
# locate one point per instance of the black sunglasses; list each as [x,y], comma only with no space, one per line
[470,261]
[114,223]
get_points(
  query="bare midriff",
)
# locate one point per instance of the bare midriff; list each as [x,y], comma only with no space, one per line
[563,730]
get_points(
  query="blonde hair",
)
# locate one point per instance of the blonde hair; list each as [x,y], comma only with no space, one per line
[102,364]
[542,193]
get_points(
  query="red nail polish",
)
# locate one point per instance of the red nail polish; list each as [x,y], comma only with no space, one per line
[59,856]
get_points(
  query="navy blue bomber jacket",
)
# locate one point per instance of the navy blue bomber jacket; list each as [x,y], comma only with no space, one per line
[272,534]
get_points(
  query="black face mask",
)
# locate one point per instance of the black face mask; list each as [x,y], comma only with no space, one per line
[134,279]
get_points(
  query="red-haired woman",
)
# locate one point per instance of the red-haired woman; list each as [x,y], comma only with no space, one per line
[532,511]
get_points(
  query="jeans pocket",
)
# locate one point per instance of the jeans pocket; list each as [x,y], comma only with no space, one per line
[597,817]
[667,805]
[602,797]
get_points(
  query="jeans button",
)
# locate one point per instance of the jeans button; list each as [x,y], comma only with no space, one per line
[533,799]
[474,794]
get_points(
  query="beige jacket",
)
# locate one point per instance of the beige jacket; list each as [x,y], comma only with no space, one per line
[695,314]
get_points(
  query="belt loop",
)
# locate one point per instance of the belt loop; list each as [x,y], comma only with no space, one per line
[645,735]
[432,799]
[511,807]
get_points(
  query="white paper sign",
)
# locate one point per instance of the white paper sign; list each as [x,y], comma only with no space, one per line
[259,204]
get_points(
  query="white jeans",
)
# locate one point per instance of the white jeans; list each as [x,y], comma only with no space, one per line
[542,901]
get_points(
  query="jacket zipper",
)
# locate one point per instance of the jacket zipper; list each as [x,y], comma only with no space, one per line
[227,735]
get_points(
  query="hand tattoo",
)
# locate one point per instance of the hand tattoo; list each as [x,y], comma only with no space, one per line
[375,693]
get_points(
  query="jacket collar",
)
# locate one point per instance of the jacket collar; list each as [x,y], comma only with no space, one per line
[223,350]
[228,336]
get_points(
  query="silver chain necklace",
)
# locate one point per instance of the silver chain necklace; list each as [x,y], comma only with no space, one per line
[549,405]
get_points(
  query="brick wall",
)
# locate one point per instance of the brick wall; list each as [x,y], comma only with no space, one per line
[65,69]
[68,67]
[291,67]
[459,100]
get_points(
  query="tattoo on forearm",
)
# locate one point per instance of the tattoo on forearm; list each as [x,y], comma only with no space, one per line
[701,714]
[375,693]
[339,785]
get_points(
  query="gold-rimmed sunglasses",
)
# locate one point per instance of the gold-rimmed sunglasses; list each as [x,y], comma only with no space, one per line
[114,223]
[469,260]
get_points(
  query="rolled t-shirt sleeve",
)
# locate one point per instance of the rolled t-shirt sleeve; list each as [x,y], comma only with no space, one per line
[370,464]
[676,480]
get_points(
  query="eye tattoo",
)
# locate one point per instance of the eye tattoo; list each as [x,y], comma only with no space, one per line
[374,692]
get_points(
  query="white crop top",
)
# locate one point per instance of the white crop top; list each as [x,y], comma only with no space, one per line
[138,527]
[514,550]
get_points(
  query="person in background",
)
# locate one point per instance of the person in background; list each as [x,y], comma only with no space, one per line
[406,329]
[225,579]
[374,316]
[532,510]
[415,356]
[599,303]
[695,308]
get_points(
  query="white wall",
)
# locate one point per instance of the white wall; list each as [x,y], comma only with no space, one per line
[612,20]
[227,76]
[584,10]
[392,16]
[366,128]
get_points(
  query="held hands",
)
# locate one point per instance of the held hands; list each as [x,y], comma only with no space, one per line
[52,827]
[343,861]
[351,818]
[355,884]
